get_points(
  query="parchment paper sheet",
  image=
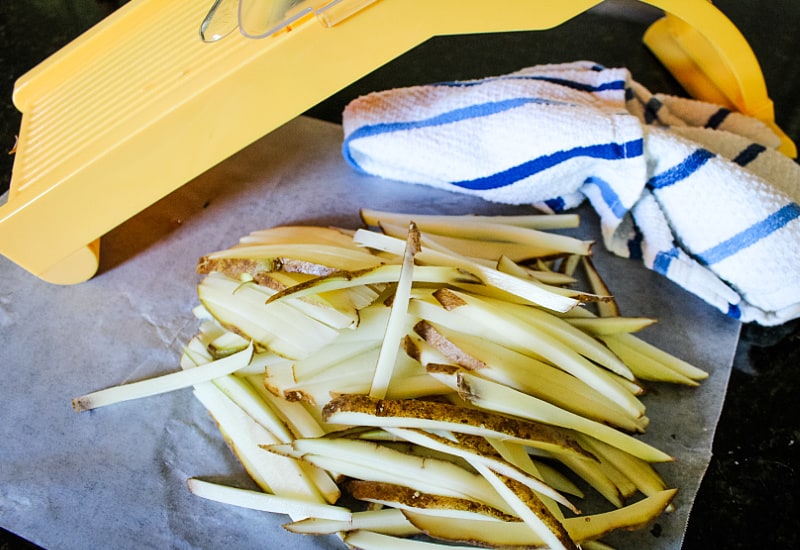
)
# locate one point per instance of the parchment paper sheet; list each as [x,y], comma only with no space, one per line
[115,477]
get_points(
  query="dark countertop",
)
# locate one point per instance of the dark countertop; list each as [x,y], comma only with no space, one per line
[749,498]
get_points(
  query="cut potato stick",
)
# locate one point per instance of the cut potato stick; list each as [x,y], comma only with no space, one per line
[552,243]
[165,383]
[487,318]
[608,308]
[240,391]
[388,521]
[646,367]
[481,251]
[274,474]
[312,258]
[508,264]
[397,318]
[530,290]
[645,349]
[457,447]
[530,508]
[560,330]
[295,415]
[227,343]
[361,410]
[639,472]
[518,456]
[405,498]
[373,217]
[506,366]
[498,398]
[266,502]
[299,234]
[278,326]
[389,273]
[370,461]
[595,477]
[368,540]
[580,529]
[605,326]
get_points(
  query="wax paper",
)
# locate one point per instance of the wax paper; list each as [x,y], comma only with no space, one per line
[116,477]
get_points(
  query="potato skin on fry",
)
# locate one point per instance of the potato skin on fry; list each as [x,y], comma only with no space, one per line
[455,416]
[374,491]
[235,267]
[516,535]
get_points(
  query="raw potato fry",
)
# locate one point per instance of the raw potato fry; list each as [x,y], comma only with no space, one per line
[502,535]
[598,285]
[532,221]
[501,399]
[472,450]
[654,359]
[163,384]
[508,264]
[362,410]
[388,273]
[267,502]
[485,252]
[639,472]
[487,318]
[312,258]
[274,474]
[370,461]
[405,498]
[606,326]
[531,509]
[530,290]
[285,330]
[388,521]
[397,318]
[550,243]
[443,373]
[493,361]
[368,540]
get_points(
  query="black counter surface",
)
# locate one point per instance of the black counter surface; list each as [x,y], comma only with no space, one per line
[749,497]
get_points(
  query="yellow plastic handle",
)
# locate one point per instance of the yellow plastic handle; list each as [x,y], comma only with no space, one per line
[140,104]
[711,58]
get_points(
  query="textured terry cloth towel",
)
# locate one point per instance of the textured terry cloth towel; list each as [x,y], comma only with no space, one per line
[696,191]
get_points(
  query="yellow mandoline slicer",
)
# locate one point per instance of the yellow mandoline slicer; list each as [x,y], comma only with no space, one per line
[162,90]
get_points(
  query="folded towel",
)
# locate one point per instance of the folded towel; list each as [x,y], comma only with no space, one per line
[697,192]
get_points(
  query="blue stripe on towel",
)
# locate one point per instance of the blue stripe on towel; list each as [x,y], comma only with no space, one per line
[582,87]
[680,171]
[734,311]
[605,151]
[749,154]
[610,196]
[751,235]
[663,259]
[635,245]
[557,205]
[457,115]
[573,84]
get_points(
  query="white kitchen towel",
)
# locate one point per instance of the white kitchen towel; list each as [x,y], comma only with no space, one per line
[698,192]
